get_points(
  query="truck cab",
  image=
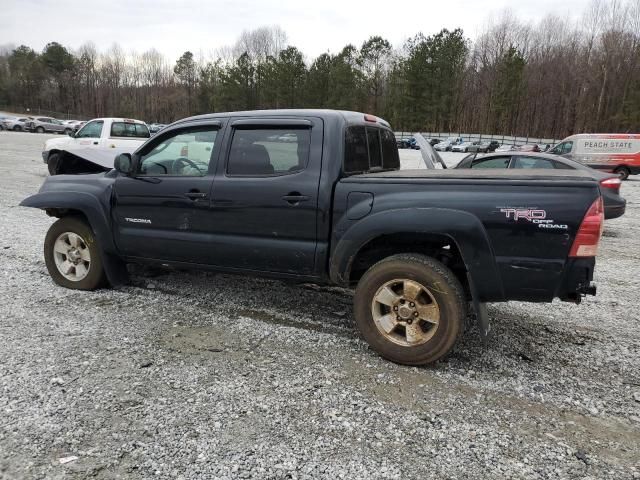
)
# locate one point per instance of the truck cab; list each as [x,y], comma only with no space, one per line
[93,147]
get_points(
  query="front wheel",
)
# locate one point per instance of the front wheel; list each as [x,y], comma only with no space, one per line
[72,255]
[410,308]
[40,130]
[17,128]
[623,172]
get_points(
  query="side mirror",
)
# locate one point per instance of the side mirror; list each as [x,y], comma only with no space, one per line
[124,164]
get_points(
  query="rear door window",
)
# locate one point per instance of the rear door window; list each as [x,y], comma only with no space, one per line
[129,129]
[268,151]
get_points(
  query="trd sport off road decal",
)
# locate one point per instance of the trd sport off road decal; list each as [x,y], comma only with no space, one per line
[533,215]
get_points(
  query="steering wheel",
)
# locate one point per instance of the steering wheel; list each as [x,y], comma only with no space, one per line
[178,165]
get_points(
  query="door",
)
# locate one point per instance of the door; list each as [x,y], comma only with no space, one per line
[265,195]
[162,212]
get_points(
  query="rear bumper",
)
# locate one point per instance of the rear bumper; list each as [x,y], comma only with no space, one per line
[614,211]
[577,280]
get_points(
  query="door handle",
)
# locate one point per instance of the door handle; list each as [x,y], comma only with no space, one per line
[95,143]
[293,198]
[195,195]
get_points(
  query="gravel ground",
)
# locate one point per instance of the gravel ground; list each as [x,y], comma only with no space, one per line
[200,375]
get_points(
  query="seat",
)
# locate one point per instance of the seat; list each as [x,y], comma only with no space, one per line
[251,159]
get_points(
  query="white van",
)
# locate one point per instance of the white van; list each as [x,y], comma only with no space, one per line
[611,152]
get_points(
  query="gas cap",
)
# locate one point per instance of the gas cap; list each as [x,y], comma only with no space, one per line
[359,205]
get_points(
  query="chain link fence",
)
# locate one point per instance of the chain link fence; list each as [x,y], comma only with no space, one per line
[474,137]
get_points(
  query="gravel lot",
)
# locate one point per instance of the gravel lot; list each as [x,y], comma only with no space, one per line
[198,375]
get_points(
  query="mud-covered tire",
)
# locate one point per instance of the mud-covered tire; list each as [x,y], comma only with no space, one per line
[52,163]
[623,172]
[95,276]
[443,288]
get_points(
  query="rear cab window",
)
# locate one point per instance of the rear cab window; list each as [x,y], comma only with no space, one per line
[369,149]
[129,130]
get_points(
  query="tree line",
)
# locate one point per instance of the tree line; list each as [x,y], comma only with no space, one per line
[547,79]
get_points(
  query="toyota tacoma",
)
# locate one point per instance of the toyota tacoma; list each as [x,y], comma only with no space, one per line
[318,196]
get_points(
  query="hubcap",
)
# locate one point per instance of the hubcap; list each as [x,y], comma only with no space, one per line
[405,312]
[72,257]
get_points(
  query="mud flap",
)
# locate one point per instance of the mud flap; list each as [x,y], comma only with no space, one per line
[115,270]
[480,310]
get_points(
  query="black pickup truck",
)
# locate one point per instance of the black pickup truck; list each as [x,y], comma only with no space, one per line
[318,195]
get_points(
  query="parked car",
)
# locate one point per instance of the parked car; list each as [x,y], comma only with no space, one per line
[17,124]
[484,147]
[417,246]
[461,147]
[529,147]
[94,146]
[408,143]
[47,124]
[444,146]
[614,204]
[506,148]
[611,152]
[447,145]
[543,147]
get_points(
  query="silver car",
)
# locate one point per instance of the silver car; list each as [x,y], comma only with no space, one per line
[17,124]
[48,124]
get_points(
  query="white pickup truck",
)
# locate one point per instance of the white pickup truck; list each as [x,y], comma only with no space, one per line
[94,147]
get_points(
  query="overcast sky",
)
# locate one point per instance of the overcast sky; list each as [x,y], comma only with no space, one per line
[173,26]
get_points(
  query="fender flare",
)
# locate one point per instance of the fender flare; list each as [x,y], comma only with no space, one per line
[90,206]
[464,229]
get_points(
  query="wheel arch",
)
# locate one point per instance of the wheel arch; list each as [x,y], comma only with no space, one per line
[88,208]
[430,229]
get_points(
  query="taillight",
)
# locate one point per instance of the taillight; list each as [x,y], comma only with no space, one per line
[586,242]
[613,183]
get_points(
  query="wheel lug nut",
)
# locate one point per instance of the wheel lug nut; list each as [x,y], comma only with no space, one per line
[395,309]
[398,318]
[409,321]
[415,314]
[412,304]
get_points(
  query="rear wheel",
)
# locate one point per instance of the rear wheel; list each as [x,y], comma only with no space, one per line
[72,255]
[623,172]
[40,130]
[17,128]
[67,131]
[410,308]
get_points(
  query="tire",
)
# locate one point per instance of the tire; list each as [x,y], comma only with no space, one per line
[17,128]
[61,236]
[40,130]
[441,292]
[52,163]
[623,172]
[67,131]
